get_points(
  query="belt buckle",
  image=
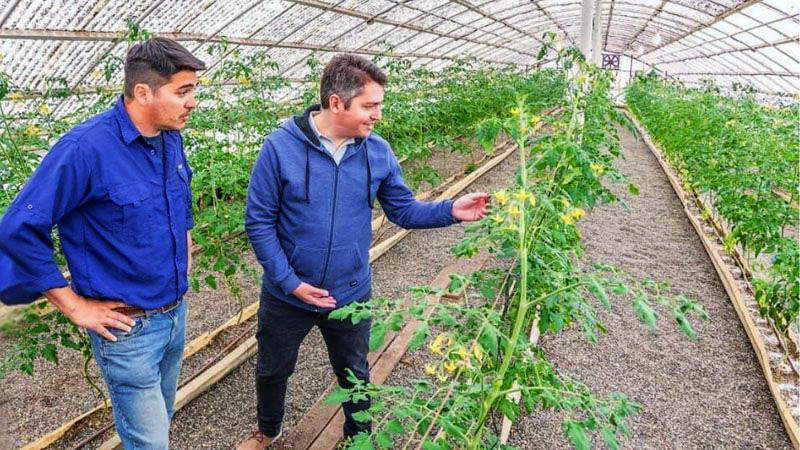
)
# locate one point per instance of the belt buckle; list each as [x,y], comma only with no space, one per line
[169,307]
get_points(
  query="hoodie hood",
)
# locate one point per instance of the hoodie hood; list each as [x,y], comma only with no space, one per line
[300,127]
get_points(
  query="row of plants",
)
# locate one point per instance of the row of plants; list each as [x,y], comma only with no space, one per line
[223,138]
[745,157]
[478,348]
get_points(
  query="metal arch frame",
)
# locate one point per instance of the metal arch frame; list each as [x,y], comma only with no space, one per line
[9,12]
[537,8]
[351,12]
[732,70]
[717,19]
[478,10]
[742,31]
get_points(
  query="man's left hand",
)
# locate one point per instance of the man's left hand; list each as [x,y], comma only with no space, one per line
[471,207]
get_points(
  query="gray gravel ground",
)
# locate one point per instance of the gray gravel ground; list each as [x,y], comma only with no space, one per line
[706,393]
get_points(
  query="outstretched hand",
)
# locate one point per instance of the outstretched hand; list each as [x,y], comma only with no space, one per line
[471,207]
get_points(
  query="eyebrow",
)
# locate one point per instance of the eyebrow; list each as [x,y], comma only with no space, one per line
[187,85]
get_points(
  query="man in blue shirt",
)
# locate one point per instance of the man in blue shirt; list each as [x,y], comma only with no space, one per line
[309,214]
[118,188]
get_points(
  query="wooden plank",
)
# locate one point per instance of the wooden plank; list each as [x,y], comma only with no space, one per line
[731,288]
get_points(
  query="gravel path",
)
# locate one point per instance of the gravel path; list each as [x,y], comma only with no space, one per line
[706,393]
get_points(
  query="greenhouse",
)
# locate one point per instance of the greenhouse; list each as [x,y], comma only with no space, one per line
[405,224]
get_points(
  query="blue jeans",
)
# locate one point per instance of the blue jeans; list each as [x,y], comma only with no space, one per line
[141,371]
[281,329]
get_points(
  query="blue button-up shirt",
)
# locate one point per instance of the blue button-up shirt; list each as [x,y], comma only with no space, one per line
[122,208]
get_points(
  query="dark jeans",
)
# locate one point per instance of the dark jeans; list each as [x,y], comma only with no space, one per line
[281,329]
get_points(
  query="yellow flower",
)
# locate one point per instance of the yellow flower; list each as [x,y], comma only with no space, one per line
[204,80]
[430,370]
[535,120]
[501,197]
[435,346]
[497,219]
[521,196]
[245,81]
[97,73]
[581,78]
[44,109]
[532,200]
[462,353]
[598,169]
[15,96]
[567,219]
[32,130]
[450,366]
[477,351]
[514,212]
[515,112]
[578,213]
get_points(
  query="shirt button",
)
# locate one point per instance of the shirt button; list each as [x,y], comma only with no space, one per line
[152,152]
[30,206]
[180,166]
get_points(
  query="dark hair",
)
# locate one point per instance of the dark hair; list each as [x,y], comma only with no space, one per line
[345,76]
[154,61]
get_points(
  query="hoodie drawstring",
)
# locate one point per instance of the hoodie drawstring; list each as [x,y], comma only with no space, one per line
[308,173]
[369,177]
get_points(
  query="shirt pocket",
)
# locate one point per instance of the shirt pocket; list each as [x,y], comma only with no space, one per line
[133,211]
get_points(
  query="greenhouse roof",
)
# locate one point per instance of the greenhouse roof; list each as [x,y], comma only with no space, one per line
[752,43]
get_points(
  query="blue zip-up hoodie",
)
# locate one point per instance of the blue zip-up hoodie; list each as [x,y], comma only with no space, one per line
[310,220]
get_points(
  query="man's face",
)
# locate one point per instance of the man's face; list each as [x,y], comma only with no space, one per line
[364,111]
[172,103]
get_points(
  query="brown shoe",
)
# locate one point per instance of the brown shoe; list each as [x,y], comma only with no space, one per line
[258,441]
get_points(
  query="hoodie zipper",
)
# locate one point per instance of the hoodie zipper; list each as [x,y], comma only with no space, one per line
[333,223]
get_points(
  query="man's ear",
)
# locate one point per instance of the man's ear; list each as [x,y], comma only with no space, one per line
[335,103]
[142,93]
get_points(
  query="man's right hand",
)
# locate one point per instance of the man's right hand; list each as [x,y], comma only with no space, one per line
[91,314]
[314,296]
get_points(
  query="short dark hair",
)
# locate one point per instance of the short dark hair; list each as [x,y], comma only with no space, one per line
[154,61]
[345,76]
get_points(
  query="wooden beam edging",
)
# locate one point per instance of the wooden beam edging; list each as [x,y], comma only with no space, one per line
[731,288]
[322,423]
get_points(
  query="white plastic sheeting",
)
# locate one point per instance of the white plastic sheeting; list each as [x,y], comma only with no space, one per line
[752,43]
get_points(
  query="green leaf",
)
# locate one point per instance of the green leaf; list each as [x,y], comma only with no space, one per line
[394,426]
[377,335]
[633,189]
[338,395]
[610,438]
[362,416]
[211,281]
[645,312]
[577,435]
[419,336]
[50,353]
[597,289]
[383,439]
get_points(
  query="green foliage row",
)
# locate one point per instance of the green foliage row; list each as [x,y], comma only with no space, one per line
[479,346]
[223,138]
[739,152]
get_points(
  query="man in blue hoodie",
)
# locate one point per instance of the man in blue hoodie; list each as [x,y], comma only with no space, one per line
[309,213]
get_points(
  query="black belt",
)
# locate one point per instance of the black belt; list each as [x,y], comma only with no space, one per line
[133,311]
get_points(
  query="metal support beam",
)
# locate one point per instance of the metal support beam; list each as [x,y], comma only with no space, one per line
[586,28]
[597,51]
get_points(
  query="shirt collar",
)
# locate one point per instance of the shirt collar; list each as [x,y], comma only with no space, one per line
[126,126]
[321,136]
